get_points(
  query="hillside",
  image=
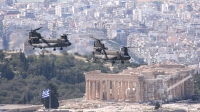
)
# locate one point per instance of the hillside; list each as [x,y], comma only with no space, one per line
[24,78]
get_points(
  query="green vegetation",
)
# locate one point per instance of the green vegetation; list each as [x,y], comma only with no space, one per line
[24,78]
[157,106]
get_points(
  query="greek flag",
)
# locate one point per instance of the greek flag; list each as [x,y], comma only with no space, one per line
[45,93]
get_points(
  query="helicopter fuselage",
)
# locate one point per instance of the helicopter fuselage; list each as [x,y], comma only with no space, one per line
[37,41]
[110,55]
[48,43]
[102,52]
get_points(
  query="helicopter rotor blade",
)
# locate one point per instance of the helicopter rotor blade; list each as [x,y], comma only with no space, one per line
[98,39]
[132,47]
[36,29]
[115,42]
[95,38]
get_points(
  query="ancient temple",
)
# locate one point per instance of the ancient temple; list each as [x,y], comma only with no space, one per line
[145,83]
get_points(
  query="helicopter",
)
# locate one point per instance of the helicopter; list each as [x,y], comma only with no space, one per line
[101,52]
[37,41]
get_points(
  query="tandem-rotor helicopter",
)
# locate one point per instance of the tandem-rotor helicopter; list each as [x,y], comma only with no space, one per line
[37,41]
[101,52]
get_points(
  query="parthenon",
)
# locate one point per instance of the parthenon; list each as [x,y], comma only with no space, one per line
[146,83]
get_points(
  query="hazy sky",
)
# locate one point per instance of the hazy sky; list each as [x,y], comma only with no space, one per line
[28,0]
[35,0]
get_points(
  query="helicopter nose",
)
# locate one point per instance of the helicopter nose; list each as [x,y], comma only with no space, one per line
[29,41]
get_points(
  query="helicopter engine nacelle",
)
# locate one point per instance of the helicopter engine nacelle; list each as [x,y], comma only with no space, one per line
[64,36]
[124,50]
[110,52]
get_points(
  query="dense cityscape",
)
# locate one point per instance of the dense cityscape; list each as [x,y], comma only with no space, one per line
[157,32]
[160,31]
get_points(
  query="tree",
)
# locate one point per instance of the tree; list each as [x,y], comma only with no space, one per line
[1,55]
[53,95]
[29,97]
[157,106]
[6,71]
[24,100]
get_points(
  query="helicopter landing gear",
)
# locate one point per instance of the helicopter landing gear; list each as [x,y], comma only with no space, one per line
[122,62]
[61,48]
[113,62]
[94,60]
[54,49]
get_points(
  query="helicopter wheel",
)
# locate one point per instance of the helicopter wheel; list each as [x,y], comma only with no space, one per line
[122,62]
[54,49]
[61,48]
[94,60]
[113,62]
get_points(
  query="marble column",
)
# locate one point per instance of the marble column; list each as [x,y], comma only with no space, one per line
[131,91]
[142,90]
[116,91]
[145,92]
[93,90]
[87,90]
[90,89]
[192,86]
[182,87]
[108,89]
[126,87]
[186,87]
[101,90]
[120,90]
[113,89]
[123,91]
[173,90]
[137,92]
[170,91]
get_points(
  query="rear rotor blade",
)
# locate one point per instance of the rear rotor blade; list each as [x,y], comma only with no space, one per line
[37,29]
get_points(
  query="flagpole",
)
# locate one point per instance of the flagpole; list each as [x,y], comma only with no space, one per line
[49,99]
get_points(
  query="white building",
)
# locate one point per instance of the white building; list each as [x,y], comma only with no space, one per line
[164,8]
[61,9]
[166,57]
[138,15]
[131,4]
